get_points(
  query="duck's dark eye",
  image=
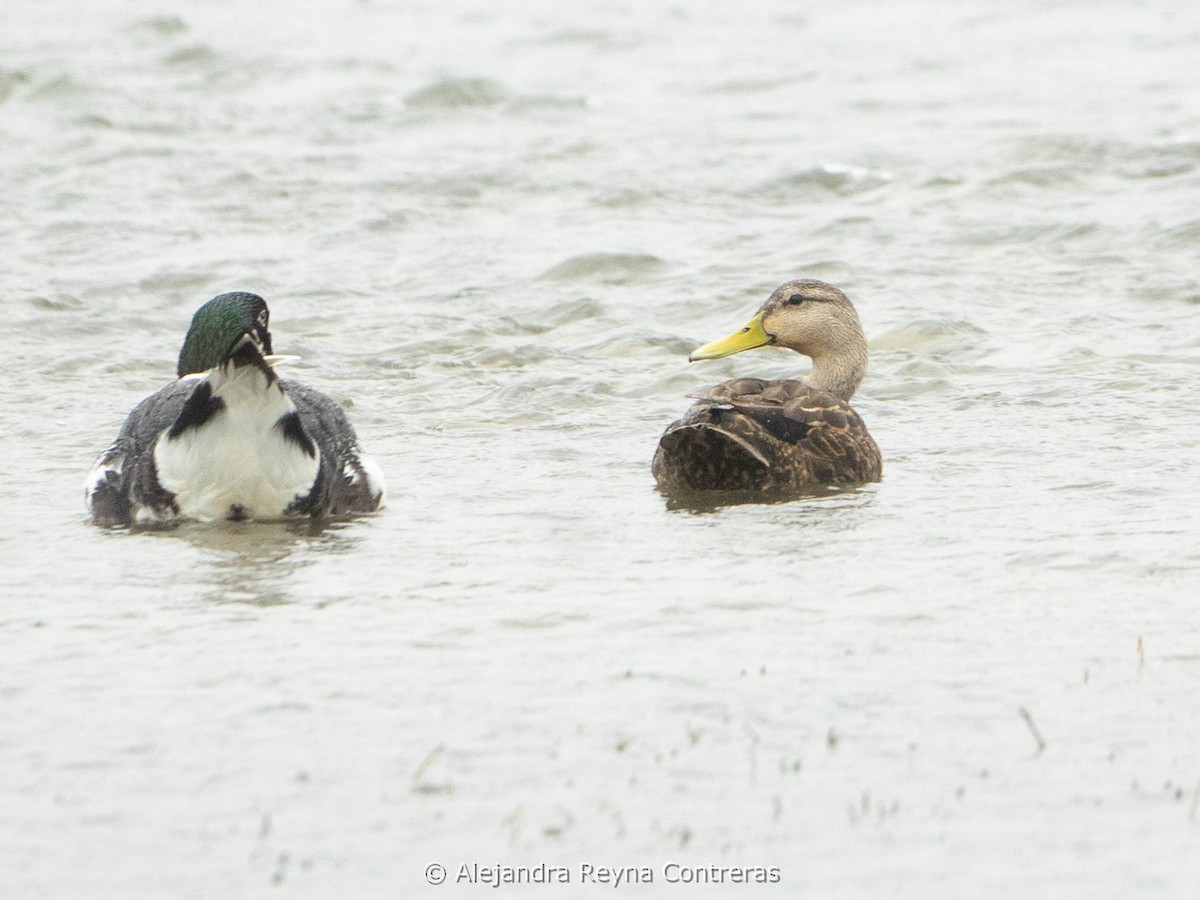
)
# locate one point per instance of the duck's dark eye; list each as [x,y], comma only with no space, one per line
[795,299]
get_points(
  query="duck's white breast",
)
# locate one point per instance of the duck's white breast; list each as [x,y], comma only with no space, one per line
[238,462]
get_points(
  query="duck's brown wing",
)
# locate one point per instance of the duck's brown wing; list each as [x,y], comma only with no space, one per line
[750,434]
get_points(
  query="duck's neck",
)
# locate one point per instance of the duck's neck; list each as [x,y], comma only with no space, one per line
[841,373]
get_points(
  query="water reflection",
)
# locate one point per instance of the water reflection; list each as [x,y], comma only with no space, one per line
[256,562]
[707,502]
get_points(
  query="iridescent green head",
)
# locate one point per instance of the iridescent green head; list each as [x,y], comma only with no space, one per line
[218,328]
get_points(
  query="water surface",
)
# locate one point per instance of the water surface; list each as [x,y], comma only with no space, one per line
[494,233]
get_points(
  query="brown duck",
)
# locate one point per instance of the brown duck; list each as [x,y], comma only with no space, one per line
[779,436]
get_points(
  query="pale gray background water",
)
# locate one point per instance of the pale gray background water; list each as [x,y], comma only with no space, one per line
[495,230]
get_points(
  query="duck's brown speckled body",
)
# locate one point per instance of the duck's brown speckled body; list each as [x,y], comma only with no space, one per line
[777,437]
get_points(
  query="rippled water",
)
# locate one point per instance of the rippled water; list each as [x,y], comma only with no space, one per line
[494,233]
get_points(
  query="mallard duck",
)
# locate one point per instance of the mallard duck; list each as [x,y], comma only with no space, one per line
[779,436]
[230,439]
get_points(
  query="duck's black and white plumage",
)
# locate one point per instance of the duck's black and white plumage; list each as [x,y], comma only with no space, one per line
[779,437]
[230,439]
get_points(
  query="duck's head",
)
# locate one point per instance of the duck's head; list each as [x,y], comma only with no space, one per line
[810,317]
[222,326]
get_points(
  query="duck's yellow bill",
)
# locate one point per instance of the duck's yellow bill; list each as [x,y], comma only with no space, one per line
[753,335]
[278,358]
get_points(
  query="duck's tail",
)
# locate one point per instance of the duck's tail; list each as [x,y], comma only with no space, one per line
[702,453]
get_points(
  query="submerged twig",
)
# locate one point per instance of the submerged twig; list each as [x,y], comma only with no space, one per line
[425,763]
[1033,729]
